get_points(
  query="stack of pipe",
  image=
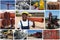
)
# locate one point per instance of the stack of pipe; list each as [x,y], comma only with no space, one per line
[7,20]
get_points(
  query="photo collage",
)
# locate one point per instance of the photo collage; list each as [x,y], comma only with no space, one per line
[29,19]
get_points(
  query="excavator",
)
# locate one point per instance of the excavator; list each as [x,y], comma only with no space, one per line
[40,5]
[52,22]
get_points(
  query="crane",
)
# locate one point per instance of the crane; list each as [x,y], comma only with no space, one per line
[8,3]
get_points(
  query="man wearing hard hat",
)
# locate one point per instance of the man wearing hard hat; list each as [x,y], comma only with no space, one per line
[25,23]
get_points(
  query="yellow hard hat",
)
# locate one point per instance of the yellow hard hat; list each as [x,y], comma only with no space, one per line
[25,12]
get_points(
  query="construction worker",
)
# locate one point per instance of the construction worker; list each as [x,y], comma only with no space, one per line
[25,23]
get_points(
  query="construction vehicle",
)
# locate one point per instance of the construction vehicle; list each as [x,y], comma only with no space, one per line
[37,35]
[18,34]
[41,5]
[7,34]
[52,22]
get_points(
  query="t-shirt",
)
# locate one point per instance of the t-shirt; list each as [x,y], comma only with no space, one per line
[25,23]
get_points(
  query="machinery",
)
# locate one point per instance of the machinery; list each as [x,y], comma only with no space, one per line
[7,34]
[22,4]
[38,35]
[18,34]
[39,5]
[52,22]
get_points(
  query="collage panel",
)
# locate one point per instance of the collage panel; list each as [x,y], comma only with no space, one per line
[52,4]
[20,34]
[34,34]
[38,4]
[0,4]
[59,34]
[51,34]
[59,19]
[6,34]
[52,19]
[7,4]
[30,20]
[59,4]
[7,19]
[23,4]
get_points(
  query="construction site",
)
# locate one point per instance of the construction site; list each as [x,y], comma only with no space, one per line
[20,34]
[7,19]
[29,19]
[53,4]
[52,20]
[34,34]
[23,4]
[7,4]
[6,34]
[37,17]
[51,34]
[30,4]
[38,4]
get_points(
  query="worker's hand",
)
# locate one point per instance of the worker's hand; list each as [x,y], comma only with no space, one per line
[33,26]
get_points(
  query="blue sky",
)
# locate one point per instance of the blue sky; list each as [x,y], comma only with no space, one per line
[33,31]
[59,13]
[4,6]
[7,0]
[0,5]
[54,12]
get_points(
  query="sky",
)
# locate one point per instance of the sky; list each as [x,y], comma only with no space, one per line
[0,4]
[52,0]
[4,6]
[7,0]
[59,13]
[33,31]
[54,12]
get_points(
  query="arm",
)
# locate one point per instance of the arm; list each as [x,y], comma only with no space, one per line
[33,24]
[19,26]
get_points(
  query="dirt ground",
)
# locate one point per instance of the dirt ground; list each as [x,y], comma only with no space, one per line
[38,25]
[58,23]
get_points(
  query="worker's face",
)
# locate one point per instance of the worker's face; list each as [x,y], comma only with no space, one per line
[24,17]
